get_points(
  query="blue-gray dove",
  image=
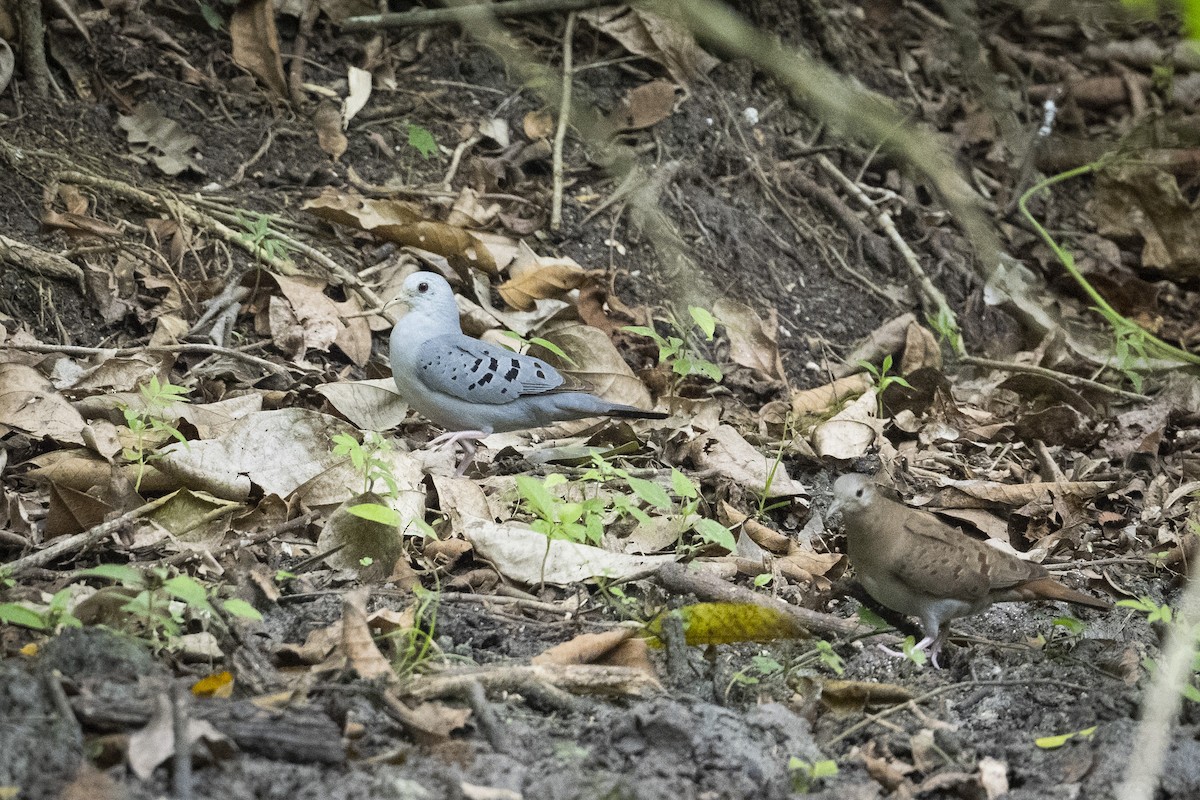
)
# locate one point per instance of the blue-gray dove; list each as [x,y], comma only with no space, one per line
[912,562]
[473,388]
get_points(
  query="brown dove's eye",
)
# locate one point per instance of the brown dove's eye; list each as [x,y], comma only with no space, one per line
[422,287]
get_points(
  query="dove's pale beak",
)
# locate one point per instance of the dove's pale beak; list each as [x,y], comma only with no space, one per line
[834,507]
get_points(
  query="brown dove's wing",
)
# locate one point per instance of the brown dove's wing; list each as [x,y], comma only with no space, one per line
[952,564]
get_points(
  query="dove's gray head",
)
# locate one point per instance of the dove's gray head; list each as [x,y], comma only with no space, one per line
[428,296]
[852,493]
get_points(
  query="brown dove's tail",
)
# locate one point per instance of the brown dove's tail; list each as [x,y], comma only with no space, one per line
[1050,589]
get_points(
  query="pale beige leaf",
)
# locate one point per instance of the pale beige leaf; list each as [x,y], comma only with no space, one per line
[724,451]
[29,403]
[256,43]
[752,342]
[275,450]
[850,432]
[526,556]
[373,405]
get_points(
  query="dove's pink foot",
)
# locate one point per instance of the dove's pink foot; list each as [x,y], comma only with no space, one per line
[929,644]
[466,441]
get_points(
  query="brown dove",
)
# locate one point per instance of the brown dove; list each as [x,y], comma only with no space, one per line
[912,562]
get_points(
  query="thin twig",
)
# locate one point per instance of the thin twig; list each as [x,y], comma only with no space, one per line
[82,541]
[1065,377]
[564,119]
[932,693]
[933,297]
[203,349]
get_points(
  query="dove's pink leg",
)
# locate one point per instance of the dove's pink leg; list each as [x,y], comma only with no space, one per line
[932,644]
[465,440]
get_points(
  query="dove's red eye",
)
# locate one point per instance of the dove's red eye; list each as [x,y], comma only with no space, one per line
[422,287]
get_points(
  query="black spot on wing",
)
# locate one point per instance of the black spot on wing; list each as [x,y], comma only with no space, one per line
[514,371]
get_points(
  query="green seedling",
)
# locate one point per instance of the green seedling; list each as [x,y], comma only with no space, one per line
[946,327]
[54,615]
[805,776]
[883,379]
[368,458]
[677,349]
[151,425]
[581,522]
[157,604]
[415,646]
[763,507]
[829,657]
[259,237]
[421,140]
[1133,344]
[761,666]
[1153,611]
[909,648]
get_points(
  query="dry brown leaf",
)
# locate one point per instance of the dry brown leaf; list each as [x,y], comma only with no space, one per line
[327,121]
[357,643]
[29,403]
[814,402]
[366,547]
[548,277]
[657,38]
[752,342]
[403,222]
[526,556]
[644,106]
[155,743]
[72,511]
[276,450]
[538,124]
[256,44]
[1147,202]
[597,363]
[850,432]
[373,405]
[921,350]
[724,451]
[586,648]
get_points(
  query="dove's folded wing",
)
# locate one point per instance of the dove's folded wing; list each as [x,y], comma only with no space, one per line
[478,372]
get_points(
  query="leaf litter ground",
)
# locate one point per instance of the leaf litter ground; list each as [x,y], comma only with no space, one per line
[466,695]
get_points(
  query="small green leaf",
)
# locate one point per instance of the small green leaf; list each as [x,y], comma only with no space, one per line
[422,140]
[868,617]
[1072,625]
[704,319]
[712,531]
[650,492]
[121,573]
[709,370]
[553,348]
[188,590]
[240,608]
[16,614]
[682,484]
[375,512]
[763,579]
[211,17]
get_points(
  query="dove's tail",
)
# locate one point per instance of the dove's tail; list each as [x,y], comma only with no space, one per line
[632,412]
[1050,589]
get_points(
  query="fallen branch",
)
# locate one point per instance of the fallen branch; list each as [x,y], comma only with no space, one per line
[681,579]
